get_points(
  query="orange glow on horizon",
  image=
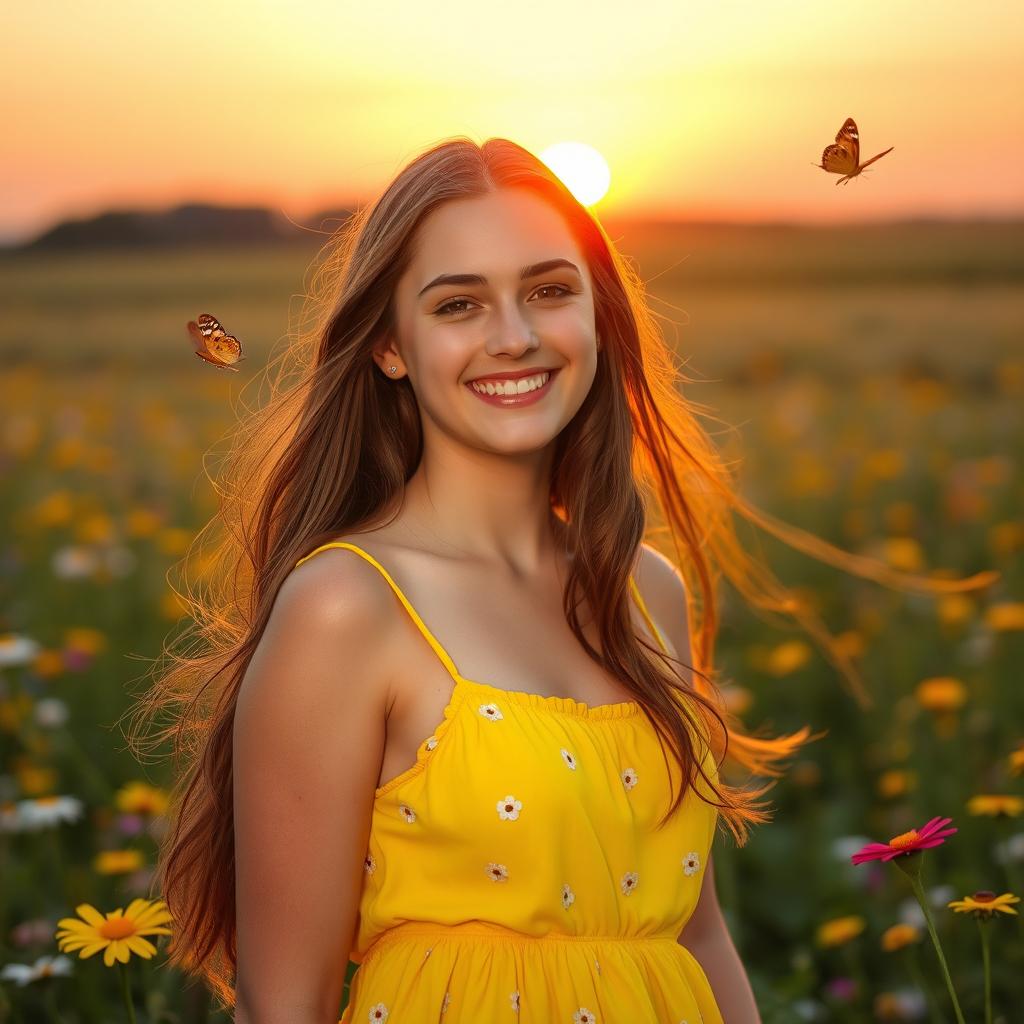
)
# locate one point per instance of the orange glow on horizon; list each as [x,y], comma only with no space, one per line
[697,113]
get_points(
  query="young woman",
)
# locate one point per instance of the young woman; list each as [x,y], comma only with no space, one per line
[464,730]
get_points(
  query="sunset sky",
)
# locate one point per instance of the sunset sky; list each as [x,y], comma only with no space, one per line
[704,110]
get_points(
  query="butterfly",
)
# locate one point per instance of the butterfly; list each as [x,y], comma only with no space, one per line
[844,156]
[213,344]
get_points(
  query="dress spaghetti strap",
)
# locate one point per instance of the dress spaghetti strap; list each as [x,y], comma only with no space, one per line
[420,624]
[655,632]
[445,657]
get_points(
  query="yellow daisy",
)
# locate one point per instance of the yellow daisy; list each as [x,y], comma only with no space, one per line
[898,936]
[995,804]
[119,934]
[985,904]
[941,694]
[840,930]
[141,798]
[118,862]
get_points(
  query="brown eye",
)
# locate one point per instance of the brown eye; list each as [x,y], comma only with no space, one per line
[447,310]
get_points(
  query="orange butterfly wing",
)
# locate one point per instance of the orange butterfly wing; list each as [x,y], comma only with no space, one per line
[838,160]
[213,344]
[842,156]
[849,138]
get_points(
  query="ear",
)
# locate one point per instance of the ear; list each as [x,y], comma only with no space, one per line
[386,356]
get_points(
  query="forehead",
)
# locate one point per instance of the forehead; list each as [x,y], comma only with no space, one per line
[493,235]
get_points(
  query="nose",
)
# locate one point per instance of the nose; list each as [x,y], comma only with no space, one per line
[513,336]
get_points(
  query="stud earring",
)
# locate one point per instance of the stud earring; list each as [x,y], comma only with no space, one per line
[392,369]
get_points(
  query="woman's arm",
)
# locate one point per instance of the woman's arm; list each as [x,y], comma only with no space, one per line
[705,934]
[707,937]
[308,741]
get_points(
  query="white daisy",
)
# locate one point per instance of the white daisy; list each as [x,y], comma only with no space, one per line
[691,863]
[568,896]
[73,562]
[446,1001]
[629,778]
[407,812]
[16,650]
[497,872]
[514,1000]
[568,759]
[431,743]
[370,864]
[629,882]
[378,1012]
[51,712]
[45,812]
[44,967]
[491,711]
[584,1016]
[509,808]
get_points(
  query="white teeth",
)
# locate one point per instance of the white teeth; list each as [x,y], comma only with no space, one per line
[511,387]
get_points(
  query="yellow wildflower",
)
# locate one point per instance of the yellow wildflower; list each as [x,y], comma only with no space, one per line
[954,609]
[1006,616]
[141,798]
[894,783]
[118,862]
[898,936]
[787,657]
[840,930]
[84,639]
[985,904]
[941,693]
[119,934]
[996,804]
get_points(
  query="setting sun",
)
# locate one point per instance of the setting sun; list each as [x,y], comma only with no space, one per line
[581,168]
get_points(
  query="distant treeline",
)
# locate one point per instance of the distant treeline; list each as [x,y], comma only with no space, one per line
[186,225]
[710,253]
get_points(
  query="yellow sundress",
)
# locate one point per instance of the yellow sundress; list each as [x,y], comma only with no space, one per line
[514,872]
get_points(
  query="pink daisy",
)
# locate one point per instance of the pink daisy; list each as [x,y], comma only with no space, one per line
[932,834]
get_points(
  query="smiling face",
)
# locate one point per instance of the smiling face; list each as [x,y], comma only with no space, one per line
[465,313]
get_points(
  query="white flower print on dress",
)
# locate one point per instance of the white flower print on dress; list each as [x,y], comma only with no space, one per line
[514,1000]
[568,759]
[568,896]
[498,872]
[444,1003]
[629,881]
[369,864]
[491,711]
[629,778]
[407,812]
[431,742]
[584,1016]
[509,808]
[691,863]
[378,1012]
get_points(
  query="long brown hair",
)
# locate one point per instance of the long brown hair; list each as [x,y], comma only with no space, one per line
[333,446]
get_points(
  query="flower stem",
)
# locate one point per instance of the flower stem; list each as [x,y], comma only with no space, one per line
[50,1002]
[126,991]
[923,900]
[983,928]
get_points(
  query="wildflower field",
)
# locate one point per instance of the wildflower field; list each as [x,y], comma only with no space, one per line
[869,385]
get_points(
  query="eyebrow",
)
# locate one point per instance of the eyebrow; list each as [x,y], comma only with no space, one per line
[533,270]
